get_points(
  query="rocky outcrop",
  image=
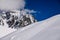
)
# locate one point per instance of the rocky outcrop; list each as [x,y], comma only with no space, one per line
[17,19]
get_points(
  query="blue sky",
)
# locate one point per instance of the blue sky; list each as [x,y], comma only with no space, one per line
[47,8]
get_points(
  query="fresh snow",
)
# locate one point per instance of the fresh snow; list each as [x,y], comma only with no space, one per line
[4,30]
[48,29]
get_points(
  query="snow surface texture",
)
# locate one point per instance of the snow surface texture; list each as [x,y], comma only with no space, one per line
[45,30]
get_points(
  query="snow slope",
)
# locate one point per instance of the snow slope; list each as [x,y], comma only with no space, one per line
[45,30]
[4,30]
[18,15]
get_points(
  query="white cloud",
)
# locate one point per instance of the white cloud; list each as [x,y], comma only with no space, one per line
[12,4]
[30,11]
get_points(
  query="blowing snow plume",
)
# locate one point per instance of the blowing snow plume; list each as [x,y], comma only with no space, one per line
[11,4]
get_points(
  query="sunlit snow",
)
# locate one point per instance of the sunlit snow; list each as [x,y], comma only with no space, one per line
[45,30]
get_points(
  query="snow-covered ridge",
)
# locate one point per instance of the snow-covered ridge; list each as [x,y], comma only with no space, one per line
[6,28]
[38,31]
[17,18]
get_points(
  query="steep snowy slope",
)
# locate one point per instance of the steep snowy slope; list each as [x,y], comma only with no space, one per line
[45,30]
[12,20]
[4,30]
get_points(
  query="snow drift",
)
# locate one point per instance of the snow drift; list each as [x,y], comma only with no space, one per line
[45,30]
